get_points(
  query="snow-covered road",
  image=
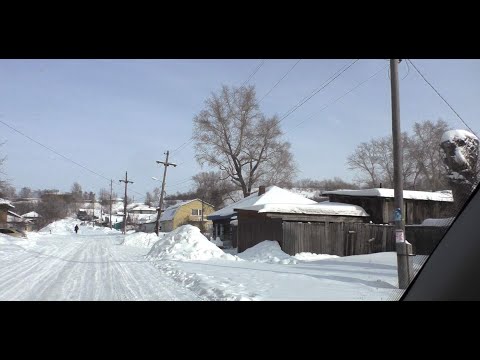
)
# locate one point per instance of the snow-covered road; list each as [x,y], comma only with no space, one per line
[89,266]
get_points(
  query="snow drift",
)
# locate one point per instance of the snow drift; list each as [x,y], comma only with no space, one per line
[141,239]
[308,256]
[267,251]
[186,243]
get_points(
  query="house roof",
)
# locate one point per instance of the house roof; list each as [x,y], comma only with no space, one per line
[323,208]
[31,214]
[6,202]
[14,214]
[141,207]
[272,195]
[169,213]
[445,195]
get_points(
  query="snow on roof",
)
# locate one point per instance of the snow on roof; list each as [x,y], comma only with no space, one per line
[145,218]
[323,208]
[272,195]
[457,134]
[445,195]
[31,214]
[142,207]
[308,193]
[6,202]
[14,214]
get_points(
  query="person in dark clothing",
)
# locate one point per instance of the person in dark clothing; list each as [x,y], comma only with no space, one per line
[76,229]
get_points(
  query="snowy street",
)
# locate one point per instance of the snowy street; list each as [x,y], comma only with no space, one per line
[89,266]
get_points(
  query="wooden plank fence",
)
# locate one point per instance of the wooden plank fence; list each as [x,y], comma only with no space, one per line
[346,239]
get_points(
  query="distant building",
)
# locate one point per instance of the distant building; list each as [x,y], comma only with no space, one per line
[194,212]
[379,203]
[5,207]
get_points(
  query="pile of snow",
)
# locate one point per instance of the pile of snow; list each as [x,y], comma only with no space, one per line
[267,252]
[217,241]
[438,222]
[4,239]
[308,256]
[186,243]
[143,240]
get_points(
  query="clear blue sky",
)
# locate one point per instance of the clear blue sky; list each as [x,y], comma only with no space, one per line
[118,115]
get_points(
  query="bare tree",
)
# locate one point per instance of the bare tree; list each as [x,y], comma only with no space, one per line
[427,136]
[25,193]
[212,188]
[149,199]
[374,162]
[6,190]
[104,197]
[232,135]
[51,208]
[365,161]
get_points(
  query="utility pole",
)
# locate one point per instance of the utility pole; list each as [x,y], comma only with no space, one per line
[93,211]
[126,181]
[404,248]
[166,164]
[111,194]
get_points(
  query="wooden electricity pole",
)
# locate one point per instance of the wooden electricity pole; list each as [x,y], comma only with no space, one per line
[111,195]
[166,164]
[404,248]
[126,181]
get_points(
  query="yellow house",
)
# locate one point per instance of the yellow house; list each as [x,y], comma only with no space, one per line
[193,212]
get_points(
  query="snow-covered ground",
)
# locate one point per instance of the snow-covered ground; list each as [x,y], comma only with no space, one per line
[102,264]
[90,265]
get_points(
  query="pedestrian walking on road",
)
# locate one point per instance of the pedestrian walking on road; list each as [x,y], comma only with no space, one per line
[76,229]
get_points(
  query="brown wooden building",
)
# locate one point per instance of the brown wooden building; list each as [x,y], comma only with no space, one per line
[298,228]
[379,204]
[224,220]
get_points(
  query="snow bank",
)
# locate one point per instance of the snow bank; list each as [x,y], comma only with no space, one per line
[217,241]
[186,243]
[143,240]
[267,252]
[308,256]
[438,222]
[4,239]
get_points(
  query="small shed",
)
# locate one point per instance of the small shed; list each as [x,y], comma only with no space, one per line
[379,203]
[225,229]
[297,227]
[5,206]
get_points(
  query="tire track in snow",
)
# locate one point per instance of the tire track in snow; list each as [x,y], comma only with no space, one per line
[88,268]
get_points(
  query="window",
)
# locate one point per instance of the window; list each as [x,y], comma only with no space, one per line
[197,212]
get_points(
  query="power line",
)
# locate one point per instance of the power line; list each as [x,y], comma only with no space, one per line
[316,91]
[279,81]
[254,72]
[340,97]
[61,155]
[55,152]
[446,102]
